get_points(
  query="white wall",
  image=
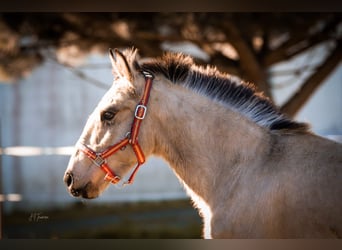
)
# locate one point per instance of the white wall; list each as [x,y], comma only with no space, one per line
[324,109]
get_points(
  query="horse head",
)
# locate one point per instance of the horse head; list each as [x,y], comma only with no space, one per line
[108,147]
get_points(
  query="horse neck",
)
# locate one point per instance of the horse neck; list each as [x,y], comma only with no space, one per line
[202,140]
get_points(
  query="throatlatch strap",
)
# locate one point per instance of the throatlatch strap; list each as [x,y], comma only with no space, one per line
[139,115]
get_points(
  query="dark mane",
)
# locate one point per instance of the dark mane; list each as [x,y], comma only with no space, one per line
[230,91]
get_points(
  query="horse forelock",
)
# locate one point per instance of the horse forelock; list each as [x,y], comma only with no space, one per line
[228,90]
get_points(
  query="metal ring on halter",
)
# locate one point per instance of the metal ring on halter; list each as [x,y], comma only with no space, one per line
[128,135]
[112,179]
[137,110]
[147,74]
[99,160]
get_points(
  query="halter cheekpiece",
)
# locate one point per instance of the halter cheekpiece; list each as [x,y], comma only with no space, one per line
[99,158]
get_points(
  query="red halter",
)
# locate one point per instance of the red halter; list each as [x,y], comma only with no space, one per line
[99,158]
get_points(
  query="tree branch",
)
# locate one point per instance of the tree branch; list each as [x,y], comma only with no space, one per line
[248,61]
[303,42]
[292,106]
[225,64]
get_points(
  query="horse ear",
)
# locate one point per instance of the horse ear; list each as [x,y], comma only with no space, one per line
[120,64]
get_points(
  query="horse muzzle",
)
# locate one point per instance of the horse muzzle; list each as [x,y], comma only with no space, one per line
[84,192]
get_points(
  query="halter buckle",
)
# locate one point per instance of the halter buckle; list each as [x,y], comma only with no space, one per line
[112,179]
[136,115]
[99,161]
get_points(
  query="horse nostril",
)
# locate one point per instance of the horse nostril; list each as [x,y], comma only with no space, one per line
[68,179]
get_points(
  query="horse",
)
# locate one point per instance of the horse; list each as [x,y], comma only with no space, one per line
[250,170]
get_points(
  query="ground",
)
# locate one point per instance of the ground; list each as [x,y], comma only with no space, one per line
[165,219]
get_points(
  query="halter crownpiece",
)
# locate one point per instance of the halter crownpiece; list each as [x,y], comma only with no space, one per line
[100,158]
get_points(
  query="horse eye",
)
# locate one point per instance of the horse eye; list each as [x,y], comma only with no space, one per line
[107,115]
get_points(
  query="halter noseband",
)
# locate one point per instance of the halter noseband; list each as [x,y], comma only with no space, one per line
[99,158]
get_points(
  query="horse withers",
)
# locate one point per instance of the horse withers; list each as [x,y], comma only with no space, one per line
[251,171]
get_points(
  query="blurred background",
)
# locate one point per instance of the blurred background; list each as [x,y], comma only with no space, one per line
[54,69]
